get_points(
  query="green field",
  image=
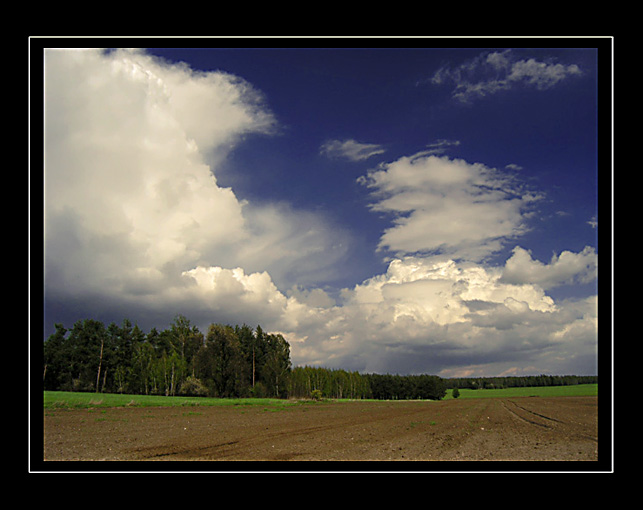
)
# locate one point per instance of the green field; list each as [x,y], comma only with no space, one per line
[66,400]
[578,390]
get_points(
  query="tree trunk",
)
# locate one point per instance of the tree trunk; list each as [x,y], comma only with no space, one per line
[104,380]
[172,381]
[100,363]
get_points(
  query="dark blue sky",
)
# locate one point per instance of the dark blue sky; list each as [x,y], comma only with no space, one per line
[384,96]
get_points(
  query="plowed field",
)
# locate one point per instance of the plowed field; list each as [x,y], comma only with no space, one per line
[548,429]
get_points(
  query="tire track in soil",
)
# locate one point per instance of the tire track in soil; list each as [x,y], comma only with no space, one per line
[527,419]
[551,426]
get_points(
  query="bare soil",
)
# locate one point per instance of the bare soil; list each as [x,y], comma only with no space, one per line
[530,428]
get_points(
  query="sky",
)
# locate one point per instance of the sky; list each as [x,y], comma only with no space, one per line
[388,209]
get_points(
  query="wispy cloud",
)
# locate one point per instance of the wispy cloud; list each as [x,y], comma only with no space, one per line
[593,222]
[490,73]
[441,146]
[350,149]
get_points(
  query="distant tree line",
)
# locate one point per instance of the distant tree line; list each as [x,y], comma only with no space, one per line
[227,362]
[482,383]
[337,383]
[404,387]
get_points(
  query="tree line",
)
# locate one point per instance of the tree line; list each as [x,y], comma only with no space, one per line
[227,361]
[306,382]
[180,360]
[478,383]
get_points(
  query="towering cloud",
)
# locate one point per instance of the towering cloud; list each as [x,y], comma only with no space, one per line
[133,206]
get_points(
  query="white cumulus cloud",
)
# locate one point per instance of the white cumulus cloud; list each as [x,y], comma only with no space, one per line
[444,205]
[568,267]
[432,314]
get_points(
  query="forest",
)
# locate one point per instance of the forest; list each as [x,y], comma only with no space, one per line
[180,360]
[227,361]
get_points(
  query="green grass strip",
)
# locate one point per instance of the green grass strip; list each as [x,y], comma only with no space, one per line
[79,400]
[578,390]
